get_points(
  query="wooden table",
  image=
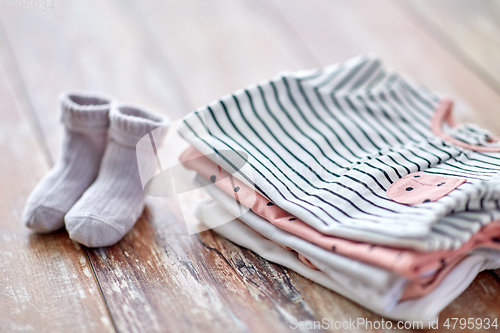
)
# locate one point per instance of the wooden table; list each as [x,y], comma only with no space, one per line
[174,56]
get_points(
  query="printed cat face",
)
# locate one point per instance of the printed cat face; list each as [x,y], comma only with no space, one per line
[422,187]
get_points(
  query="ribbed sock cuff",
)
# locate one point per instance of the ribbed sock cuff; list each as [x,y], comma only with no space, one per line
[129,123]
[83,111]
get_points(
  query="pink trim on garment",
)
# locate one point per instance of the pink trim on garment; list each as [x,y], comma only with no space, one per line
[425,285]
[306,261]
[442,114]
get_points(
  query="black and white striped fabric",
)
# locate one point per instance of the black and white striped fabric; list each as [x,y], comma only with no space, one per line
[325,145]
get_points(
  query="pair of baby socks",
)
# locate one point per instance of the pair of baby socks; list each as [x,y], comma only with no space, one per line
[94,188]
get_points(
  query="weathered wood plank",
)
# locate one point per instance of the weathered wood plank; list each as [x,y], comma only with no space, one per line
[176,282]
[469,29]
[46,283]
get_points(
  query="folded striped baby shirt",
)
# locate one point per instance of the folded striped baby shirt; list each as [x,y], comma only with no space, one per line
[342,147]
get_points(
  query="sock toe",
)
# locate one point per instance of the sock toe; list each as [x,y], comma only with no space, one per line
[93,231]
[44,219]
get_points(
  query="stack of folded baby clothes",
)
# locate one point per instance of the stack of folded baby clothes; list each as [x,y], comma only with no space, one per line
[355,177]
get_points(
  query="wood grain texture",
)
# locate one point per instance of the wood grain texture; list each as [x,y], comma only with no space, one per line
[176,282]
[470,30]
[174,56]
[46,282]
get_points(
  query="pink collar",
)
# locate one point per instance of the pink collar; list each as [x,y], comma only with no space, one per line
[443,113]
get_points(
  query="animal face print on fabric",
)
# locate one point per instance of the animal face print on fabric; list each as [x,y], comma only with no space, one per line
[420,187]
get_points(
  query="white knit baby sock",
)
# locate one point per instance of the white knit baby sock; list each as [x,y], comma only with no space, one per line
[86,119]
[110,207]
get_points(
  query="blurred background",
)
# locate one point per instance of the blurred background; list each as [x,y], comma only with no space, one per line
[173,57]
